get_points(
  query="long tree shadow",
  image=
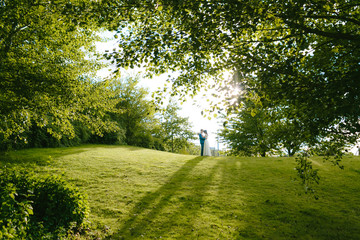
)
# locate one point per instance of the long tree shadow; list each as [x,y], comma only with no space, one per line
[177,198]
[269,213]
[214,198]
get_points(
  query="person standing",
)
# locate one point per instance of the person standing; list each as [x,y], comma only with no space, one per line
[207,150]
[202,141]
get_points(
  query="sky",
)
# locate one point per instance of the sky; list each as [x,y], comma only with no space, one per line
[192,109]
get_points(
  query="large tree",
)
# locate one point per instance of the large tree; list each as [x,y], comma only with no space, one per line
[303,54]
[135,112]
[46,60]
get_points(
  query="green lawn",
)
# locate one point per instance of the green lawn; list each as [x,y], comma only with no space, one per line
[145,194]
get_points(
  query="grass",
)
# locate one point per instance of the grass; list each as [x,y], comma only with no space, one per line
[145,194]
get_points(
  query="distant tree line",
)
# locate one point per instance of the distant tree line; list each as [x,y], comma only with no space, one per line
[135,121]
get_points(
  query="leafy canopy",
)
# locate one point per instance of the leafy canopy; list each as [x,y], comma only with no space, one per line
[303,54]
[47,62]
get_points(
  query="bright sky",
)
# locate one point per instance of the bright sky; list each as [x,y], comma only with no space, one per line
[192,109]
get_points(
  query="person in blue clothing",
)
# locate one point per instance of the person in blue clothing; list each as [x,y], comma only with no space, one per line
[202,140]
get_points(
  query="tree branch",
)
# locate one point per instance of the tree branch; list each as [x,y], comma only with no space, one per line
[334,35]
[355,21]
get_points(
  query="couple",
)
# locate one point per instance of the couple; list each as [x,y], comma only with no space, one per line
[204,142]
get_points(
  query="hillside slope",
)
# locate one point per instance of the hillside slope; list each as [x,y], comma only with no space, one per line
[145,194]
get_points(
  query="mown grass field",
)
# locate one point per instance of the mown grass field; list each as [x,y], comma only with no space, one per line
[145,194]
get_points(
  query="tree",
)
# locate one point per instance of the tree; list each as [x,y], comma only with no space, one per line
[259,127]
[47,58]
[303,54]
[176,130]
[249,131]
[289,136]
[135,113]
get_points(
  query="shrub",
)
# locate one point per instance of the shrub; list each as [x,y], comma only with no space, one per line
[158,144]
[109,138]
[15,206]
[35,207]
[141,139]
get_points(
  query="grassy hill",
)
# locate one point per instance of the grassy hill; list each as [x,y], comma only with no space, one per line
[145,194]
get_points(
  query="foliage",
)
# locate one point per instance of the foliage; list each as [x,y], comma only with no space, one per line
[301,54]
[332,148]
[85,116]
[249,131]
[260,126]
[288,134]
[34,207]
[135,113]
[15,213]
[116,137]
[47,50]
[38,137]
[175,130]
[308,175]
[191,149]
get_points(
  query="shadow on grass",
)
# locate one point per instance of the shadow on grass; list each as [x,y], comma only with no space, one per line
[273,209]
[36,156]
[230,200]
[44,156]
[171,207]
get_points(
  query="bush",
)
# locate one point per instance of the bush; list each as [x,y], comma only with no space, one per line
[15,206]
[33,207]
[158,144]
[109,138]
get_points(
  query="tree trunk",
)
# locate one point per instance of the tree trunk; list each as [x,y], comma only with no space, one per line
[290,153]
